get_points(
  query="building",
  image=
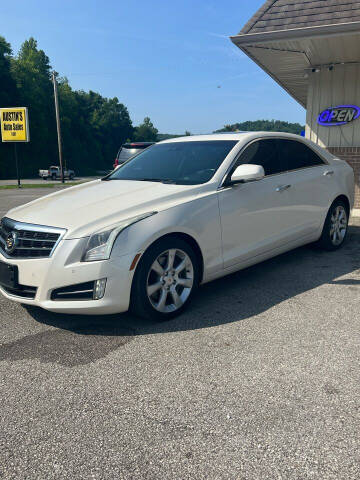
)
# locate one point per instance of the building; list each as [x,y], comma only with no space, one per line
[312,49]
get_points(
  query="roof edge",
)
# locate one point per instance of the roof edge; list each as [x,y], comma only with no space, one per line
[295,33]
[257,15]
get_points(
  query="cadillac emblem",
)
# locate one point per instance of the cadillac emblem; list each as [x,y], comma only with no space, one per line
[11,242]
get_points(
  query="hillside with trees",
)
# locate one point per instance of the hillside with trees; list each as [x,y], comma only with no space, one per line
[263,126]
[93,127]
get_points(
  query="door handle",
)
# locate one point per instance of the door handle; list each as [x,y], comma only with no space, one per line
[282,188]
[329,172]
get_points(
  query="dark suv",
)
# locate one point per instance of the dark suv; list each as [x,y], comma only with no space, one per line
[129,150]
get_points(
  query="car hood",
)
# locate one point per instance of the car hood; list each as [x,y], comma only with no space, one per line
[86,208]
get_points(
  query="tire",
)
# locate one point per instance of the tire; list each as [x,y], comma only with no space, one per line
[171,292]
[53,176]
[71,177]
[335,227]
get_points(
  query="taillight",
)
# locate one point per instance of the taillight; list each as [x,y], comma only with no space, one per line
[116,162]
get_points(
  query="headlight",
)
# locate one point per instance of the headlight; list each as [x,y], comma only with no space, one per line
[100,243]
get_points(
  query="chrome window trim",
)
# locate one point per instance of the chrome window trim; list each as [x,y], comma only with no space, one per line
[32,227]
[233,163]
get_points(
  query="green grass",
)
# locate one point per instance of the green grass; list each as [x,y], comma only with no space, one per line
[39,185]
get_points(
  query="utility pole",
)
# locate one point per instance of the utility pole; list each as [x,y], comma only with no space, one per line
[58,125]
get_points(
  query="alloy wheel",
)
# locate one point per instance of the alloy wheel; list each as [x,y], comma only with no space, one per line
[170,280]
[338,225]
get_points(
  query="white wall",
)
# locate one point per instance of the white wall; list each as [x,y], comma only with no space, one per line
[341,86]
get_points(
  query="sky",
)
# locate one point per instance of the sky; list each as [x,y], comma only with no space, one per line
[171,61]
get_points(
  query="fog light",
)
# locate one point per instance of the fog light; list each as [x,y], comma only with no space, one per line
[99,288]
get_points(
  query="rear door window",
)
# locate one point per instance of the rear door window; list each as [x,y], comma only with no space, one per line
[297,155]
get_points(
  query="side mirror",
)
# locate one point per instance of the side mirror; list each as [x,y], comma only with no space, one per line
[247,173]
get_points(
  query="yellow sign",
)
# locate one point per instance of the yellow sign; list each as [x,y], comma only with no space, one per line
[14,124]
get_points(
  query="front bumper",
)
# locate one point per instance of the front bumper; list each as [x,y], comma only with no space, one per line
[61,270]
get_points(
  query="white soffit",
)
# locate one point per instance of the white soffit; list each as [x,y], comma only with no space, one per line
[288,60]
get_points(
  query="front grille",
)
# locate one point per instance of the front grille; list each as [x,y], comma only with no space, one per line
[24,240]
[21,291]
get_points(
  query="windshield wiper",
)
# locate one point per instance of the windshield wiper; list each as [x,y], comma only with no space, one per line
[161,180]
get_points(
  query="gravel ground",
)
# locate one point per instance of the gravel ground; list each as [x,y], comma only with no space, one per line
[259,379]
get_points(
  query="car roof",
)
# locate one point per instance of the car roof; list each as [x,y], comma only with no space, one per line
[237,136]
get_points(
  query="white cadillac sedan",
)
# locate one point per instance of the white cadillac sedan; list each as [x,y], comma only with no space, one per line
[183,212]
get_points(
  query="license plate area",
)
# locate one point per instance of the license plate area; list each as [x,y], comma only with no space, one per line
[8,275]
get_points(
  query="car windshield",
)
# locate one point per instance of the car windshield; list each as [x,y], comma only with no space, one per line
[184,163]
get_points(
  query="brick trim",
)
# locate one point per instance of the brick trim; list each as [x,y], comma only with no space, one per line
[352,156]
[344,150]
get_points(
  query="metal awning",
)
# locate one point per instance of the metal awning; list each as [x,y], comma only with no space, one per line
[288,55]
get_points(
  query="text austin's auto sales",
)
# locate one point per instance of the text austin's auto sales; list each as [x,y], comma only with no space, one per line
[14,124]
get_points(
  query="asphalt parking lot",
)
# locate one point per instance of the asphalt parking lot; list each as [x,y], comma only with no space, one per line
[259,379]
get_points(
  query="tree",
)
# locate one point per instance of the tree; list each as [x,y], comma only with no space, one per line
[8,97]
[93,127]
[31,71]
[111,121]
[146,132]
[263,125]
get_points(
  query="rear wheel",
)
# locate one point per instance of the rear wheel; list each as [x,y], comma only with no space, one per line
[53,176]
[335,227]
[165,280]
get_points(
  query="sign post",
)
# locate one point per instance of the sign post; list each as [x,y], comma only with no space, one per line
[15,128]
[17,165]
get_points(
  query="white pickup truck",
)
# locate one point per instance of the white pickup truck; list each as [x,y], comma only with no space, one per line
[54,173]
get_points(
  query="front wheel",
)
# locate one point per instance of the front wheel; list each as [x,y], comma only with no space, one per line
[335,227]
[165,280]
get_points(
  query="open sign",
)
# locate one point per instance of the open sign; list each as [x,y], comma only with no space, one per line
[340,115]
